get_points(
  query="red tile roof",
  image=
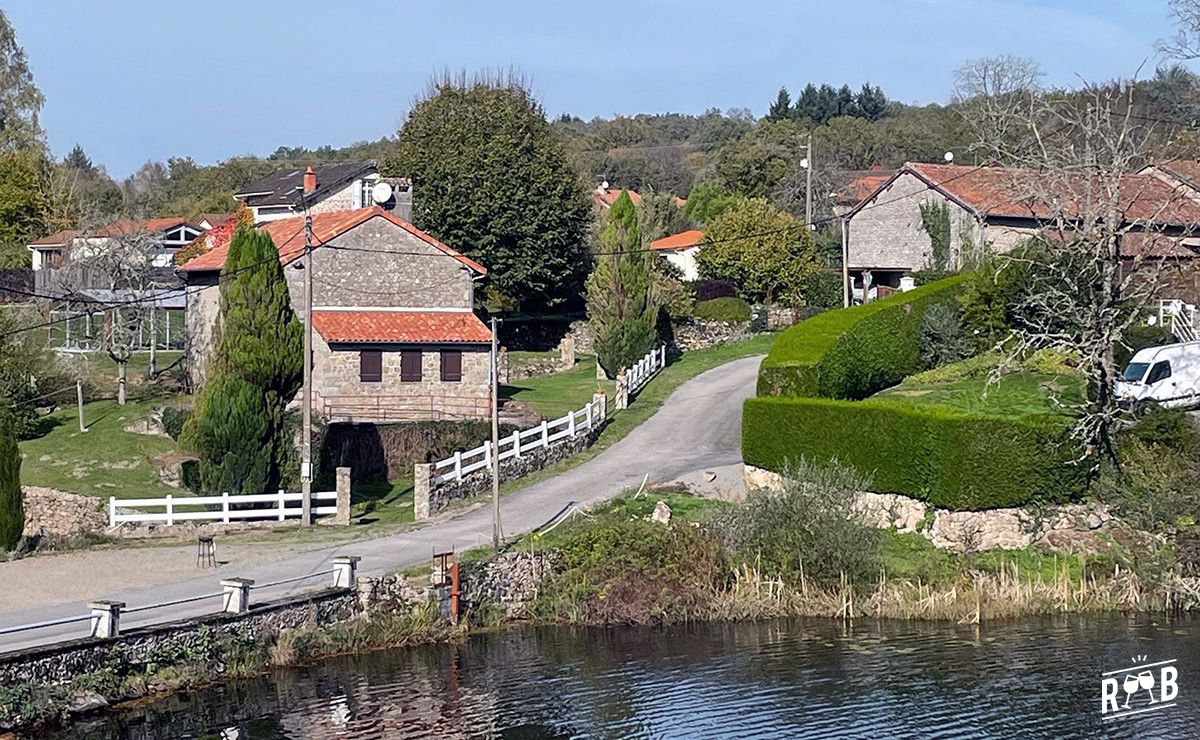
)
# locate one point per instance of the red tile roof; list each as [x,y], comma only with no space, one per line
[682,240]
[124,227]
[1184,170]
[57,239]
[862,184]
[1006,192]
[404,327]
[288,235]
[1154,244]
[608,196]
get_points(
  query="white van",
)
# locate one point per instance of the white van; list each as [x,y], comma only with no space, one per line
[1167,376]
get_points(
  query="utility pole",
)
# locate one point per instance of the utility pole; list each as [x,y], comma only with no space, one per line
[495,441]
[306,473]
[808,166]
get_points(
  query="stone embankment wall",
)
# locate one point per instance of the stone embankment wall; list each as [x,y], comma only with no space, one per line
[429,500]
[60,515]
[512,579]
[693,335]
[1060,527]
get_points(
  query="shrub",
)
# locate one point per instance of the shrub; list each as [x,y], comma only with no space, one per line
[925,277]
[950,458]
[1138,337]
[809,528]
[853,352]
[942,338]
[12,503]
[706,290]
[173,419]
[822,289]
[729,309]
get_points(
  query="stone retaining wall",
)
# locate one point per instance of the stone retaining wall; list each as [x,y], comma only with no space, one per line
[60,515]
[696,334]
[1059,527]
[512,579]
[428,499]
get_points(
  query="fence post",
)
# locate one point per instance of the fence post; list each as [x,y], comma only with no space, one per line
[112,511]
[345,571]
[545,433]
[342,517]
[570,423]
[662,351]
[458,465]
[600,403]
[622,390]
[225,506]
[517,443]
[282,505]
[487,454]
[106,618]
[170,510]
[422,486]
[236,596]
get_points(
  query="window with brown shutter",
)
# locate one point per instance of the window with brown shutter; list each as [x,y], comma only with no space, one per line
[410,366]
[370,366]
[451,365]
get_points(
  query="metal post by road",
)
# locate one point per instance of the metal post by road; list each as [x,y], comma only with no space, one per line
[808,201]
[79,399]
[495,441]
[306,443]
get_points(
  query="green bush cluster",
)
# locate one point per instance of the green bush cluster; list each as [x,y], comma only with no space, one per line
[173,419]
[854,352]
[730,309]
[949,458]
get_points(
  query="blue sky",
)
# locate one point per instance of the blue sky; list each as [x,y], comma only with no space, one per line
[136,80]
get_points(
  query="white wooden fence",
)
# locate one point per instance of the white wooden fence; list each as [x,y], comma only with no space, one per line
[548,432]
[217,508]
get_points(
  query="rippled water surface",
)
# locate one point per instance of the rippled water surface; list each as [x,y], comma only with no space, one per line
[1027,678]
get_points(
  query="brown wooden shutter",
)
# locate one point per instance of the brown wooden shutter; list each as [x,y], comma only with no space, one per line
[370,366]
[451,365]
[410,366]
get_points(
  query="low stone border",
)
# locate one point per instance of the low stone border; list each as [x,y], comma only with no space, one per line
[964,531]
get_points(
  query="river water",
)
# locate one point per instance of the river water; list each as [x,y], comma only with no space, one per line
[792,678]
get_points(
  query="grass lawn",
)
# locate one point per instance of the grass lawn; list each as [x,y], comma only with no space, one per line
[104,461]
[909,556]
[554,395]
[1013,396]
[389,502]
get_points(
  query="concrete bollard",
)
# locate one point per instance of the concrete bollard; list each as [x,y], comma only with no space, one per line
[106,618]
[237,595]
[422,474]
[342,518]
[345,571]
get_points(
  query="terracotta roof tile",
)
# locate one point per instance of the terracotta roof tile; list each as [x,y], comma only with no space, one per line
[608,196]
[682,240]
[123,227]
[404,327]
[288,235]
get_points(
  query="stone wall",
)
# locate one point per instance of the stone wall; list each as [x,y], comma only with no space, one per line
[429,500]
[60,515]
[511,580]
[696,334]
[1060,527]
[585,343]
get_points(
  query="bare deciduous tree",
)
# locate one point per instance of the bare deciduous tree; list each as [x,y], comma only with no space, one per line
[1185,44]
[1107,237]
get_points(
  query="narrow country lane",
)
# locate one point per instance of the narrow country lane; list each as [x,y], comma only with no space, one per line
[698,428]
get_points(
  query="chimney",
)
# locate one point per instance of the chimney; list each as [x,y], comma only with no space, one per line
[310,180]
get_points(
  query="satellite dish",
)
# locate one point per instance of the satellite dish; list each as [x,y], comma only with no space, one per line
[381,192]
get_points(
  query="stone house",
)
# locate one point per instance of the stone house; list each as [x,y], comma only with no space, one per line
[988,214]
[324,189]
[681,250]
[395,337]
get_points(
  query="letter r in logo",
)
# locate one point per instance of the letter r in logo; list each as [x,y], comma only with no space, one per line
[1108,695]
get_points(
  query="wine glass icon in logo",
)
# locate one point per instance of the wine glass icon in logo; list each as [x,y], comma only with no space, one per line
[1146,681]
[1130,684]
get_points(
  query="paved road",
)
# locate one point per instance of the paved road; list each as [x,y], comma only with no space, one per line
[697,429]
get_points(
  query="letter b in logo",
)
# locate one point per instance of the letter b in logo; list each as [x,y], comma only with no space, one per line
[1169,684]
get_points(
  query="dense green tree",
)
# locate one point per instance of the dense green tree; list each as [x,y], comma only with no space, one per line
[871,102]
[707,201]
[20,99]
[622,303]
[660,215]
[491,179]
[23,205]
[237,427]
[767,253]
[12,505]
[782,107]
[846,104]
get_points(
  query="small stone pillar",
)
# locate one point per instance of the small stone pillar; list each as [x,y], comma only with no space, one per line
[502,365]
[236,598]
[345,571]
[422,474]
[600,404]
[622,390]
[566,352]
[106,618]
[343,497]
[600,374]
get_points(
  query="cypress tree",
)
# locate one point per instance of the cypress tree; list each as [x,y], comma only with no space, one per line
[622,305]
[237,427]
[12,506]
[781,109]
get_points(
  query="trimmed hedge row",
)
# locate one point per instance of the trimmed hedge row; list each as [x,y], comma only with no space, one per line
[854,352]
[949,458]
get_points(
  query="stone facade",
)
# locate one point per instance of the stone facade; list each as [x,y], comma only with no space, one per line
[965,531]
[61,515]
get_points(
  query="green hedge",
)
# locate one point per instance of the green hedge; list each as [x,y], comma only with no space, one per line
[729,308]
[949,458]
[853,352]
